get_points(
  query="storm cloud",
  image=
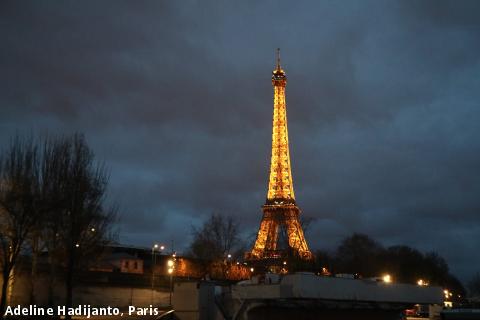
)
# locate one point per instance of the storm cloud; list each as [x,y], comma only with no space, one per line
[383,108]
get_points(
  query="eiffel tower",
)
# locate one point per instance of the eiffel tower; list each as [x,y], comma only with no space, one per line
[280,235]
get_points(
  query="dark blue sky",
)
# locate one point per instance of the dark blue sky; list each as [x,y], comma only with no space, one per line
[175,96]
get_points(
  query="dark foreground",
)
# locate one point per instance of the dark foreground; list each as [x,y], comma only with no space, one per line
[315,314]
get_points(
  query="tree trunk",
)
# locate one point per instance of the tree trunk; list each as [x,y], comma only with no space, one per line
[3,299]
[33,278]
[33,275]
[69,281]
[52,246]
[51,280]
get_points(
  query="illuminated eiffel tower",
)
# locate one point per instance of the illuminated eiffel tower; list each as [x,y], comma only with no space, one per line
[280,235]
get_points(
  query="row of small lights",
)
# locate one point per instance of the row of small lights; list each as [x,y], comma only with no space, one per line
[155,246]
[448,294]
[388,279]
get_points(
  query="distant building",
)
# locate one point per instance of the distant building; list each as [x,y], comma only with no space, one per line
[126,263]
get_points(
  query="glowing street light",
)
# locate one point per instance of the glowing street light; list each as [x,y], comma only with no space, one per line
[422,282]
[387,278]
[154,263]
[162,248]
[171,267]
[447,294]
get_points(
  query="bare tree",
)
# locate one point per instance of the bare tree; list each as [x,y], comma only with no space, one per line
[306,222]
[216,239]
[54,174]
[359,254]
[52,195]
[19,169]
[34,241]
[78,222]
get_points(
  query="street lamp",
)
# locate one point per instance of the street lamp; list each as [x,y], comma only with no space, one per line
[447,293]
[422,282]
[154,262]
[387,278]
[171,268]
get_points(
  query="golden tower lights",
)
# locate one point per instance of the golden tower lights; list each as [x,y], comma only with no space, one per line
[280,212]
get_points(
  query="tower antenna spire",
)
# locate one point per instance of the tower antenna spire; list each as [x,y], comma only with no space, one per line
[278,58]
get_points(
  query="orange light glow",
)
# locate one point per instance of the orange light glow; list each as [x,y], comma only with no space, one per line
[387,278]
[280,210]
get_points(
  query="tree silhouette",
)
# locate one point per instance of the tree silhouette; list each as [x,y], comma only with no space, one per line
[359,254]
[19,183]
[79,224]
[52,195]
[474,285]
[215,240]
